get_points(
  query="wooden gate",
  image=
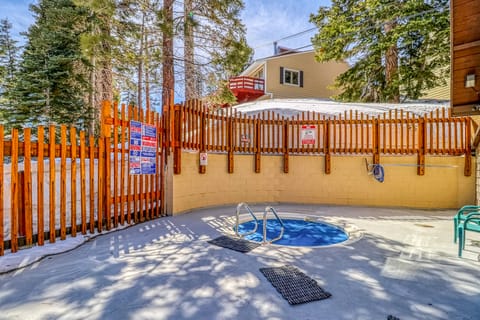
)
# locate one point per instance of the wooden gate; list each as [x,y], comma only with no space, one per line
[64,182]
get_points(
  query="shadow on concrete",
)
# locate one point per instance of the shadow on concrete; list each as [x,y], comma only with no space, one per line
[165,269]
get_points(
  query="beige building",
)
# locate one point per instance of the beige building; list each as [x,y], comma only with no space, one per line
[287,75]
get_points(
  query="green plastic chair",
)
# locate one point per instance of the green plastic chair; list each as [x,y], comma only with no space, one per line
[461,216]
[471,223]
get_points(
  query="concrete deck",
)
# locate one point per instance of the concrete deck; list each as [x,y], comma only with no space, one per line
[402,263]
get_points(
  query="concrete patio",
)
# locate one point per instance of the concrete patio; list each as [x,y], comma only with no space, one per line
[400,262]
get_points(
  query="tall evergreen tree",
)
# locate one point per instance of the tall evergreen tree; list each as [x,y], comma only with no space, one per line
[52,78]
[215,46]
[8,67]
[96,45]
[397,48]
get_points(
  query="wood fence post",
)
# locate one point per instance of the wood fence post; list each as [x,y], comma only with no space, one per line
[467,171]
[230,128]
[177,142]
[421,147]
[376,141]
[52,189]
[202,147]
[104,167]
[258,143]
[286,152]
[326,146]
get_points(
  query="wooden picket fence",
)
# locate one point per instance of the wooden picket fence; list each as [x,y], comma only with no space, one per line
[90,174]
[351,133]
[77,184]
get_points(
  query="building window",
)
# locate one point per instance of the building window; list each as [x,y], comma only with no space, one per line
[291,77]
[259,74]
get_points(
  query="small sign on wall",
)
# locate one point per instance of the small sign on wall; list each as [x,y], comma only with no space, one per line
[309,134]
[203,158]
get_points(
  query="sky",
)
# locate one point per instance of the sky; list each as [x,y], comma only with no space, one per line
[266,21]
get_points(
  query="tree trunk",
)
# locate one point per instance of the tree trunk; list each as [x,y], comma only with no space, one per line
[147,75]
[140,64]
[190,87]
[91,99]
[167,66]
[103,77]
[391,67]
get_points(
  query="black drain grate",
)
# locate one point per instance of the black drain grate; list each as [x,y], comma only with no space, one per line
[294,286]
[239,245]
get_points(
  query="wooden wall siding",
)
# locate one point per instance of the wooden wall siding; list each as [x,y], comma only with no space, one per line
[465,52]
[317,77]
[88,188]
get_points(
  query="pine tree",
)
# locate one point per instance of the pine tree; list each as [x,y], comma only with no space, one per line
[397,48]
[213,29]
[52,78]
[96,45]
[8,67]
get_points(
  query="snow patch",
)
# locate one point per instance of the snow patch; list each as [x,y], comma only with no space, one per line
[328,108]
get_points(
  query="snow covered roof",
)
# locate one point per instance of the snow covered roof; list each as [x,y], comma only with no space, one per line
[292,107]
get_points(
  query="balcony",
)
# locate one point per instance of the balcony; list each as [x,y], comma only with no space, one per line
[247,88]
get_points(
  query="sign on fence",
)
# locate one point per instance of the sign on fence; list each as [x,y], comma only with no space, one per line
[143,148]
[244,138]
[308,134]
[203,158]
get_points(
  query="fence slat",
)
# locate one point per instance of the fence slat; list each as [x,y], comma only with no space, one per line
[52,191]
[27,192]
[83,184]
[91,184]
[115,165]
[14,193]
[107,203]
[73,180]
[148,177]
[122,166]
[158,164]
[63,182]
[135,181]
[129,176]
[100,183]
[40,191]
[141,177]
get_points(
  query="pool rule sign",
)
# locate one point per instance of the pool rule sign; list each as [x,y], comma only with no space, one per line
[143,148]
[308,134]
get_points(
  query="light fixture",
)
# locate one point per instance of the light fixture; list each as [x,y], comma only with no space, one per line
[470,80]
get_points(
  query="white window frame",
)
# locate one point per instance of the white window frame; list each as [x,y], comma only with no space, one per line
[285,70]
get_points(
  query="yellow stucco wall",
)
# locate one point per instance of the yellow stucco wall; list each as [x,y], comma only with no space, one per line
[318,77]
[442,186]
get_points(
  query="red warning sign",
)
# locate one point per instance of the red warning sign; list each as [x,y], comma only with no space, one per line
[308,134]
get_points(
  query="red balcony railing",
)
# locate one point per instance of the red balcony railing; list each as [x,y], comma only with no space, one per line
[247,88]
[248,83]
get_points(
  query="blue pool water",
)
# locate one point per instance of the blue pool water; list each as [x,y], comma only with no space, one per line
[297,232]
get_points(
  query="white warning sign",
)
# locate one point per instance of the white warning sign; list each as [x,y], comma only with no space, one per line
[203,158]
[308,134]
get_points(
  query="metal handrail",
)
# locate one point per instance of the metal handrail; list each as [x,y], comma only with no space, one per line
[272,209]
[237,223]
